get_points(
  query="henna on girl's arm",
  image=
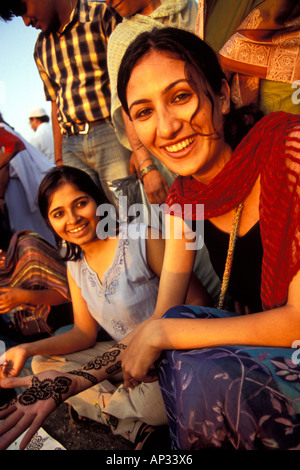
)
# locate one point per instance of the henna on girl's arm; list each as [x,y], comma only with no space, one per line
[42,390]
[55,388]
[99,363]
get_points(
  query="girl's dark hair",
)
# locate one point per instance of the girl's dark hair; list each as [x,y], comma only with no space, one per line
[54,179]
[202,69]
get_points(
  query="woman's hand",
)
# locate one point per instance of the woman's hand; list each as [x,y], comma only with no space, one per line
[155,184]
[13,361]
[29,410]
[11,297]
[2,253]
[156,187]
[140,355]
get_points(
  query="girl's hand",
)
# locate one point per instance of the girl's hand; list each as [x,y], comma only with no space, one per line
[11,297]
[13,361]
[29,410]
[2,254]
[139,357]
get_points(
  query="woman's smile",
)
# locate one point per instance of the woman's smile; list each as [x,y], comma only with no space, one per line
[78,230]
[72,214]
[178,125]
[180,148]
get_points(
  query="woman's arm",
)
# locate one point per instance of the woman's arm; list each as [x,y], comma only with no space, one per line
[155,246]
[155,184]
[83,335]
[176,270]
[12,297]
[48,390]
[278,327]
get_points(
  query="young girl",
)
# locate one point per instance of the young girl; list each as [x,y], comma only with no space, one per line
[113,282]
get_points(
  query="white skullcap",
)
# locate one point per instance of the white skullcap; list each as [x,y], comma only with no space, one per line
[37,112]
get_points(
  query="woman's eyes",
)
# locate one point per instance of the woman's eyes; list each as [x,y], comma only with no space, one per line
[58,214]
[143,113]
[182,97]
[179,98]
[79,205]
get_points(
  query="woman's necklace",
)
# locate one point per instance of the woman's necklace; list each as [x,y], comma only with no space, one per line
[230,252]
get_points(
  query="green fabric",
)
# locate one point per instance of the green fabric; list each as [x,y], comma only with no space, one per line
[223,18]
[277,96]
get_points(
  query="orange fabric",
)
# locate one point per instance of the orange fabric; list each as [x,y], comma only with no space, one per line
[265,46]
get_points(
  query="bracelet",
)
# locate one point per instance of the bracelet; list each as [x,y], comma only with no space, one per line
[147,169]
[148,158]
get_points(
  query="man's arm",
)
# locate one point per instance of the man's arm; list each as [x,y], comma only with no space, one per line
[57,135]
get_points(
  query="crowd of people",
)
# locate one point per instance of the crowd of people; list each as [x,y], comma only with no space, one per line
[174,339]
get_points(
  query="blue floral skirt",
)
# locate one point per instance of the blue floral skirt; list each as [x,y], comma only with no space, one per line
[231,397]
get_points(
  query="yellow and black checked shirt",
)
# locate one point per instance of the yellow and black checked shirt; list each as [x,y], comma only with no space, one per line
[73,64]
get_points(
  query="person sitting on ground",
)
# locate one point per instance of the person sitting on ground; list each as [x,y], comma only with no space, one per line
[22,167]
[229,376]
[34,292]
[113,280]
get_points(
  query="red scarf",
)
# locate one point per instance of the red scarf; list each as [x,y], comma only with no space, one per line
[272,150]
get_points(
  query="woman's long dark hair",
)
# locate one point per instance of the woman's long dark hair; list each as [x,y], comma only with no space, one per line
[203,72]
[53,180]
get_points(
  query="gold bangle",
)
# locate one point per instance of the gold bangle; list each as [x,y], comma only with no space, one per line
[147,169]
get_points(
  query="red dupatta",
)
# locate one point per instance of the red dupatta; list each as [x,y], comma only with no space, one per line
[272,150]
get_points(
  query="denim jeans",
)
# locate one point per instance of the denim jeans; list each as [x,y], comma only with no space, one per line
[99,154]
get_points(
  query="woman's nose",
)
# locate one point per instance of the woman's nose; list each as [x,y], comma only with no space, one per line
[73,217]
[168,124]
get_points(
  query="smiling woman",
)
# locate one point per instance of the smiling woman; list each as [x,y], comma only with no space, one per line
[113,283]
[161,112]
[226,375]
[72,215]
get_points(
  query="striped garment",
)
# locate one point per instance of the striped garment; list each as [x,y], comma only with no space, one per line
[32,263]
[73,64]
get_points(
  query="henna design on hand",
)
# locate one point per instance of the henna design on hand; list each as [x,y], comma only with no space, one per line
[8,404]
[114,368]
[105,358]
[102,360]
[44,389]
[119,346]
[86,375]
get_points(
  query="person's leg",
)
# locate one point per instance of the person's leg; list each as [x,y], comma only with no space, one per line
[74,155]
[108,158]
[234,397]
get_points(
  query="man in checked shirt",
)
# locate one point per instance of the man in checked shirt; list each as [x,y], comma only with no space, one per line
[70,54]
